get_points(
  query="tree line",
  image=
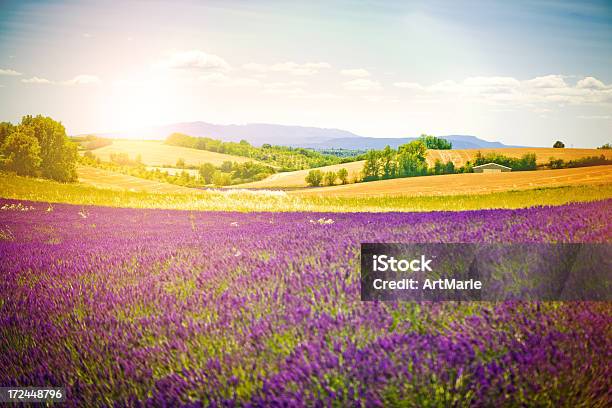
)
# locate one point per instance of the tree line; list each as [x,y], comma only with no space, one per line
[38,146]
[286,158]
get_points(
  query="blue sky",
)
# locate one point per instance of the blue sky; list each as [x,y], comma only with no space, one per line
[519,72]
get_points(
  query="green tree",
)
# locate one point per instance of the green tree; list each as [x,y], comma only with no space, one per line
[559,144]
[22,152]
[605,146]
[207,171]
[343,175]
[388,163]
[411,159]
[449,167]
[226,166]
[180,163]
[222,179]
[438,167]
[432,142]
[58,154]
[330,178]
[371,168]
[314,178]
[6,128]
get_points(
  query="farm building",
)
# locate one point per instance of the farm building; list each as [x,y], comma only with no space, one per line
[491,168]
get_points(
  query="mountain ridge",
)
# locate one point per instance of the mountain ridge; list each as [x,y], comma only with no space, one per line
[294,136]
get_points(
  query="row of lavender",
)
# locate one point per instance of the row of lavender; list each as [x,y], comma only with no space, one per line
[130,307]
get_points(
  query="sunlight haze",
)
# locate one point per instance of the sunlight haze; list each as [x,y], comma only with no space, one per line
[526,73]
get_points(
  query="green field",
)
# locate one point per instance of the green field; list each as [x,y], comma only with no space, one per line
[23,188]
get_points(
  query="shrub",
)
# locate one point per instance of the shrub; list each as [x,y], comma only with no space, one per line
[343,175]
[222,179]
[207,171]
[314,178]
[559,144]
[330,178]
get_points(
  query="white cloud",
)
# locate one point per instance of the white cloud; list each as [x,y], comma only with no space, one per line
[82,79]
[591,83]
[362,85]
[548,81]
[293,68]
[511,91]
[194,60]
[9,72]
[356,72]
[36,80]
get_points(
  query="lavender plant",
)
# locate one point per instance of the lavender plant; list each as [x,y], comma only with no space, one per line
[152,307]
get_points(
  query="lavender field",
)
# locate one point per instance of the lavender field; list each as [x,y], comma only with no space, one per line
[152,307]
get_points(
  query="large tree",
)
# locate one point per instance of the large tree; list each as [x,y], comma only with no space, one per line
[411,159]
[58,154]
[22,152]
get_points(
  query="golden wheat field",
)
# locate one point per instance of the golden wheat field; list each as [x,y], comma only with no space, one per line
[295,179]
[468,183]
[543,154]
[156,153]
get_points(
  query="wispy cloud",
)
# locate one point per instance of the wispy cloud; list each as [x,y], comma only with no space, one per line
[293,68]
[9,72]
[82,79]
[36,80]
[356,72]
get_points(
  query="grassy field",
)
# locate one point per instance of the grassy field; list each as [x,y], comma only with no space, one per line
[112,180]
[22,188]
[468,183]
[156,153]
[296,179]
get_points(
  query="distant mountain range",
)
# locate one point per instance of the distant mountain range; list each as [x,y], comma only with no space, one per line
[295,136]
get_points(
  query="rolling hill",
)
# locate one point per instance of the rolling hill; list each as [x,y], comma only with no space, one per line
[295,179]
[468,183]
[156,153]
[111,180]
[293,136]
